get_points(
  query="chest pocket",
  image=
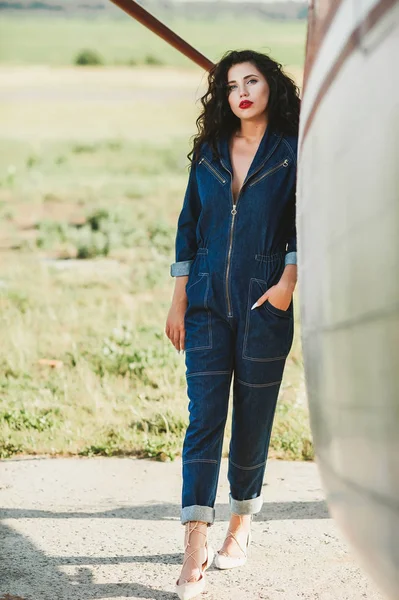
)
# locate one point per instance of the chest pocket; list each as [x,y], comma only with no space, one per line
[219,176]
[283,164]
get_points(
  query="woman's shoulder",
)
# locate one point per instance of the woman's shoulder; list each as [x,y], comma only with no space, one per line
[202,150]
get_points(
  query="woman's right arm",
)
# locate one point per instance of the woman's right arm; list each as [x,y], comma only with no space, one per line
[175,322]
[185,251]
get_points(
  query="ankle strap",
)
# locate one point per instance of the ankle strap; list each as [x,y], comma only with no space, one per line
[195,528]
[192,553]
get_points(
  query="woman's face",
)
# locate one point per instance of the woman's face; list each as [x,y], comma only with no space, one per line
[248,87]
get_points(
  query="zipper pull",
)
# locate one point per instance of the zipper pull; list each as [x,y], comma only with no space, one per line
[234,211]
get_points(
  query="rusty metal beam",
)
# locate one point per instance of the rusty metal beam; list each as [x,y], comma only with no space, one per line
[149,21]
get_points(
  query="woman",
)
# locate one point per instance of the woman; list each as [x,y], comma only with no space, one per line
[232,309]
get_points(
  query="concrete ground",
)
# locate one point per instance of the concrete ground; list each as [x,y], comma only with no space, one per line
[91,528]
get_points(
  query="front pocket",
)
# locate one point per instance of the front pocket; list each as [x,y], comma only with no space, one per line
[197,318]
[212,169]
[268,330]
[285,314]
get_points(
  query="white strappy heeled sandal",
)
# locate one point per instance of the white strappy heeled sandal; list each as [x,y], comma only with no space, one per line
[223,560]
[189,589]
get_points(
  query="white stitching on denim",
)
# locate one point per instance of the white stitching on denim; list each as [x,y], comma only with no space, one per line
[201,276]
[269,257]
[259,385]
[247,468]
[209,326]
[195,460]
[208,373]
[247,319]
[291,150]
[244,345]
[264,359]
[196,348]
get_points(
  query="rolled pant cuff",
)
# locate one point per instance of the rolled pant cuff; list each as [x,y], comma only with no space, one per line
[246,507]
[195,512]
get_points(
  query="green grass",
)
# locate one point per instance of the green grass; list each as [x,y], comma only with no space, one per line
[120,386]
[57,42]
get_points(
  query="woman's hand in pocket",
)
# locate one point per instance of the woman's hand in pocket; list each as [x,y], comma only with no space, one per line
[278,295]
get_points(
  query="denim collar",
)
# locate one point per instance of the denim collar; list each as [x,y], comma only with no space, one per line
[267,146]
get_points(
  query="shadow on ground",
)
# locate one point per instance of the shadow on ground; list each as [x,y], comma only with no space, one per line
[22,562]
[271,511]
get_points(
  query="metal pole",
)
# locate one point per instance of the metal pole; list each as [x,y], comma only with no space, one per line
[146,19]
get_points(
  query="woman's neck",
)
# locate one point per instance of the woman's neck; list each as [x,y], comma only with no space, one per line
[251,132]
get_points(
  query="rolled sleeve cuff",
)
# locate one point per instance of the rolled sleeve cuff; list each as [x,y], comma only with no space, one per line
[183,267]
[290,258]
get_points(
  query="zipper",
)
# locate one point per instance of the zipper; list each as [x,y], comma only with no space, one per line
[284,163]
[212,169]
[234,212]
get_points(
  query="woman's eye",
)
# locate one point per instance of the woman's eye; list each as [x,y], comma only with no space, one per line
[230,87]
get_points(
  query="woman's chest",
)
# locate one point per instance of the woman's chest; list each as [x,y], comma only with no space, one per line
[270,184]
[241,157]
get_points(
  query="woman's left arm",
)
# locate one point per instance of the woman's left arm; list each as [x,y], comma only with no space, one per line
[280,295]
[290,256]
[289,277]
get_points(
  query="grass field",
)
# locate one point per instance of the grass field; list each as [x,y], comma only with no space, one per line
[56,42]
[93,169]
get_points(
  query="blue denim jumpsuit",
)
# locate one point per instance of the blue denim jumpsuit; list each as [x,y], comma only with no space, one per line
[232,253]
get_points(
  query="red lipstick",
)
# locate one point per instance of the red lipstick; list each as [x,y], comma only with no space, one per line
[245,104]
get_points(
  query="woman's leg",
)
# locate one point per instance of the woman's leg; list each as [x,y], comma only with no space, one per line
[208,375]
[254,405]
[202,448]
[195,538]
[255,392]
[264,339]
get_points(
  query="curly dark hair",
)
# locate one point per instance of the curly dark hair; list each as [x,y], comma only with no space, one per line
[217,119]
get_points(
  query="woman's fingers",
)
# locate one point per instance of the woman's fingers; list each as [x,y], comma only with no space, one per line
[260,301]
[182,339]
[177,338]
[174,330]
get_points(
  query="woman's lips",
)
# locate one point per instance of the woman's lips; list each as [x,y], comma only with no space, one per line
[245,104]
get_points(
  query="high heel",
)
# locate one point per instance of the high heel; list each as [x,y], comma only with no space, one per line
[223,560]
[190,589]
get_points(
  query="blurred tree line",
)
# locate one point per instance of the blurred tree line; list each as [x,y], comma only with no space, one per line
[179,8]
